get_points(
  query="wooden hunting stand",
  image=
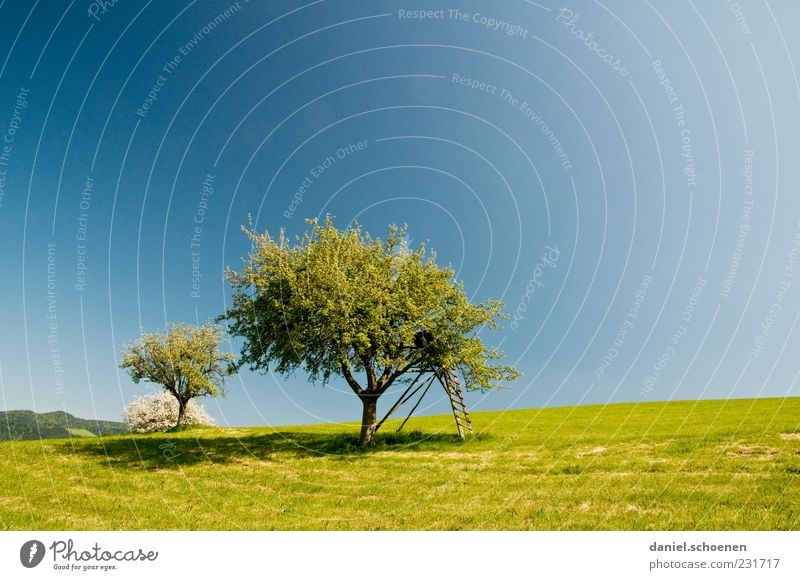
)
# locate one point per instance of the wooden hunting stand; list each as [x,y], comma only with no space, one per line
[450,384]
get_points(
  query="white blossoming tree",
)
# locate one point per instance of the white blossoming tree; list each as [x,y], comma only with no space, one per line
[158,412]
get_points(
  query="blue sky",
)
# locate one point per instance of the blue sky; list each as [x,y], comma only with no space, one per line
[623,176]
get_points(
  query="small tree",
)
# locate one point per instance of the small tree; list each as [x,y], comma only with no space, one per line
[185,360]
[158,412]
[344,303]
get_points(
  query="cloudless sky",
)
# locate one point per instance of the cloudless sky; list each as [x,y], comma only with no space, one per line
[624,176]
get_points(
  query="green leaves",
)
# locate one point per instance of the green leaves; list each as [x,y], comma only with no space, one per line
[185,360]
[340,302]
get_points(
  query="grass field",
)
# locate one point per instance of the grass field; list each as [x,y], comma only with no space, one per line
[677,465]
[81,433]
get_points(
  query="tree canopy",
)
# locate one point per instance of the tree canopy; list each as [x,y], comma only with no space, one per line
[342,303]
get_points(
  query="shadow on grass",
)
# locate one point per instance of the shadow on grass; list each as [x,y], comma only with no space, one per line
[215,446]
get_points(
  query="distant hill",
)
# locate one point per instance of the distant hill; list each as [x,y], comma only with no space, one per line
[27,425]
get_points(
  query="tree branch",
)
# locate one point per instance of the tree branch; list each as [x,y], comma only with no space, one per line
[372,380]
[393,377]
[384,376]
[348,376]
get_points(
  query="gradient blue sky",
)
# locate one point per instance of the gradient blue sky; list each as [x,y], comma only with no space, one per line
[675,276]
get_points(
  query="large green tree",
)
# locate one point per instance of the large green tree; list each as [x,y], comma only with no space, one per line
[185,360]
[340,302]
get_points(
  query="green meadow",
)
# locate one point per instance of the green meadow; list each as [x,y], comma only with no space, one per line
[709,465]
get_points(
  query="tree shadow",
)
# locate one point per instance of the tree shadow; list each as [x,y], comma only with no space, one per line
[212,446]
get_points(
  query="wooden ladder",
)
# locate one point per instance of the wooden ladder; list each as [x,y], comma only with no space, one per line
[453,389]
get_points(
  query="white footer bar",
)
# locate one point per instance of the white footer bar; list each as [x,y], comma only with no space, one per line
[401,555]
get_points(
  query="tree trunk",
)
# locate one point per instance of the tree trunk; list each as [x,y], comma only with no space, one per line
[369,419]
[181,412]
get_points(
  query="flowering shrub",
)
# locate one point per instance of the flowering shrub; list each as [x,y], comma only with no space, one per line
[159,412]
